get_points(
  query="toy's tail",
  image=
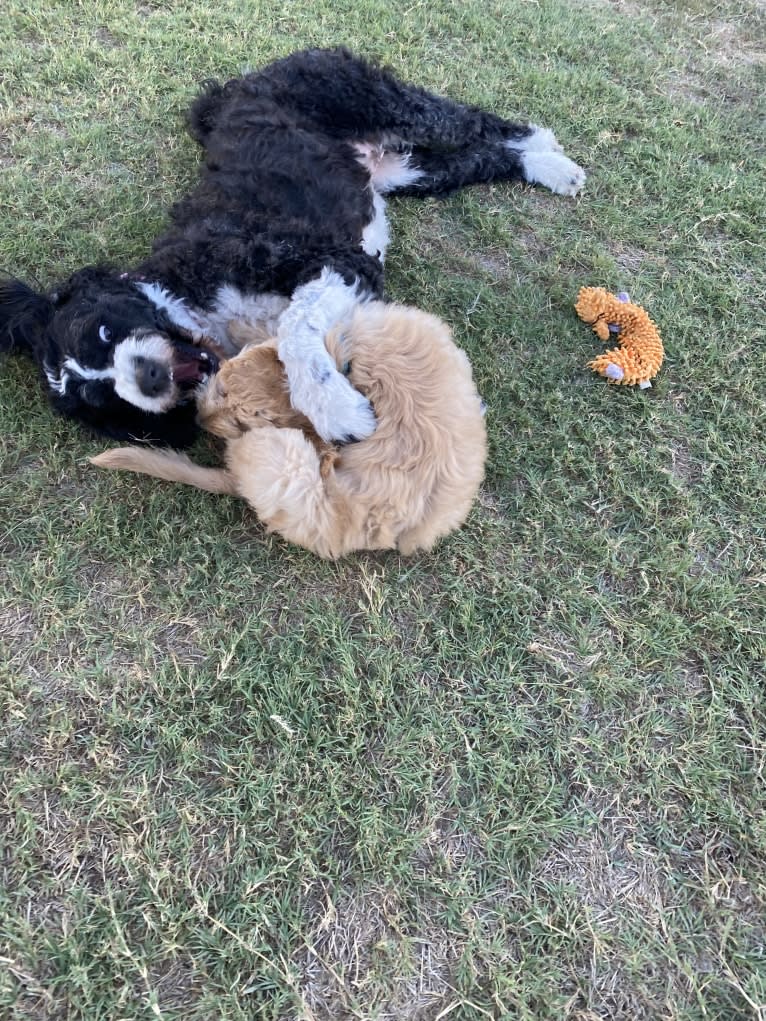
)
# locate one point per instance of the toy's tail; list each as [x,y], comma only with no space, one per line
[168,465]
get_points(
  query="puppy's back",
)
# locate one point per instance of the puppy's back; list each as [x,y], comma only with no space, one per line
[426,459]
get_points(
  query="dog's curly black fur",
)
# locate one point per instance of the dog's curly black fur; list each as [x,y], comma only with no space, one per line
[282,195]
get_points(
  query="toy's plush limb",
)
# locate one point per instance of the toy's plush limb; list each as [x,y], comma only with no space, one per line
[601,329]
[613,371]
[612,366]
[628,365]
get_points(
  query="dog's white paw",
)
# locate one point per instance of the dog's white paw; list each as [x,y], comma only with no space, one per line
[320,303]
[337,411]
[350,416]
[553,170]
[543,162]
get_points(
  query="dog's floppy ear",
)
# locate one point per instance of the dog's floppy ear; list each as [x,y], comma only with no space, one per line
[24,315]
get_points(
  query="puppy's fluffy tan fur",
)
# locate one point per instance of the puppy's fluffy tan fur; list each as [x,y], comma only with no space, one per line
[410,483]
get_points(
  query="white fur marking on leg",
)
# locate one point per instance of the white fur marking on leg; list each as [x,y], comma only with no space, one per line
[323,394]
[553,170]
[377,234]
[544,162]
[539,140]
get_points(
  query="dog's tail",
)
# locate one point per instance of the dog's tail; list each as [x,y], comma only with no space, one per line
[168,465]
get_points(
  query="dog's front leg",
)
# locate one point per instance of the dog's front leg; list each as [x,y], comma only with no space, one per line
[337,411]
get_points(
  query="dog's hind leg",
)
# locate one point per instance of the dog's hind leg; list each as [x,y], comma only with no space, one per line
[422,171]
[347,97]
[350,99]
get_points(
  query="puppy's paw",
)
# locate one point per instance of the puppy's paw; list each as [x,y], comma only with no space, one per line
[553,170]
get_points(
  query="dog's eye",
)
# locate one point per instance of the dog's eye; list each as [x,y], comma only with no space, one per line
[105,335]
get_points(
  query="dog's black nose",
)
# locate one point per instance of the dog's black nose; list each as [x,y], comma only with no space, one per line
[153,378]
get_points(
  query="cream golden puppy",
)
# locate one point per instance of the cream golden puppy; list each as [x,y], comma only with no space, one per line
[410,483]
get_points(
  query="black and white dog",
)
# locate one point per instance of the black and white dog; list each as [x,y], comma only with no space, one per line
[290,201]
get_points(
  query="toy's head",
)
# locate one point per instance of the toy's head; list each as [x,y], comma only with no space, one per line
[599,308]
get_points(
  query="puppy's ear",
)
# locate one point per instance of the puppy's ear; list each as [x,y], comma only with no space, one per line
[262,359]
[211,395]
[212,413]
[222,423]
[24,316]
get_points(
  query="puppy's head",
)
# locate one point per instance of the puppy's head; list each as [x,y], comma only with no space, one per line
[249,392]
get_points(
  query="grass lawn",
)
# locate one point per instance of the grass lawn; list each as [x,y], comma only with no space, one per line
[521,777]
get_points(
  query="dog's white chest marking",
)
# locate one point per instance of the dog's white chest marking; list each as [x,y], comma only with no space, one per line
[230,303]
[253,309]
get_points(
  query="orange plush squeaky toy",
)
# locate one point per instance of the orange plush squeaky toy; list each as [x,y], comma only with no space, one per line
[640,354]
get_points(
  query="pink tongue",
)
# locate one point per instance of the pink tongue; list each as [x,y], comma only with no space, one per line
[186,372]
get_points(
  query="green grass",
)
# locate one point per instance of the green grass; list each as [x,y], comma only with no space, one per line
[521,777]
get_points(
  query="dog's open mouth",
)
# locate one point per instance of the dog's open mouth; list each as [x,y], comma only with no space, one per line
[192,365]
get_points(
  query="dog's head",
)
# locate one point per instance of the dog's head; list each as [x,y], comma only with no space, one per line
[110,356]
[249,392]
